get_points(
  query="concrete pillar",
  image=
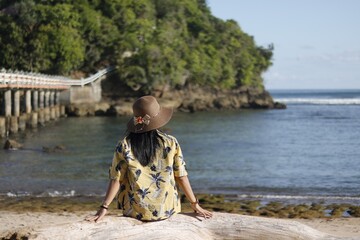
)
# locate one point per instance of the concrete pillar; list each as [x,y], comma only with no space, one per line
[51,105]
[47,99]
[33,122]
[52,113]
[28,101]
[2,127]
[41,99]
[41,116]
[62,111]
[57,111]
[47,106]
[8,103]
[52,98]
[14,125]
[22,122]
[16,103]
[57,98]
[47,114]
[35,100]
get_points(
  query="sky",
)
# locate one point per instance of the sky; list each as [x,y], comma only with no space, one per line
[317,42]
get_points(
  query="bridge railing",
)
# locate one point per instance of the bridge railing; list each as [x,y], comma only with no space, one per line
[33,80]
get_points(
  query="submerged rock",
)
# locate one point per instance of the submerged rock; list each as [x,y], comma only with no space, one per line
[12,145]
[56,149]
[279,105]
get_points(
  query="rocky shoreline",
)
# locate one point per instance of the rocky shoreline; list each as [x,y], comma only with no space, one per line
[216,203]
[184,100]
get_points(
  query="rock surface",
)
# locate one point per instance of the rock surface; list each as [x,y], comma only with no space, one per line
[182,226]
[191,99]
[12,145]
[56,149]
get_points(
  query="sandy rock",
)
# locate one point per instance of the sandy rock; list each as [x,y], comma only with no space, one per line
[120,110]
[12,145]
[101,108]
[81,110]
[179,227]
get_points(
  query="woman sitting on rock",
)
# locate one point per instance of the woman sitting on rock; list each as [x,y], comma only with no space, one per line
[146,166]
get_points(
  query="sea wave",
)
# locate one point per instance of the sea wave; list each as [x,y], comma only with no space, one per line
[301,198]
[71,193]
[320,101]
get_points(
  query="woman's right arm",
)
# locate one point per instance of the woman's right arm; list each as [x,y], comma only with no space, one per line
[185,186]
[111,192]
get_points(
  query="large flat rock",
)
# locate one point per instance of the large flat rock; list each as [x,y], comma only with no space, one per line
[181,226]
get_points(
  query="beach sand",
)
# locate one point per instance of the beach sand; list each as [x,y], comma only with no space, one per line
[44,225]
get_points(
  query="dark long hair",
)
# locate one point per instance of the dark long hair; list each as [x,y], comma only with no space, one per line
[144,145]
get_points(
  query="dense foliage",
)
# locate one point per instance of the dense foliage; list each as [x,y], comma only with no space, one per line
[154,43]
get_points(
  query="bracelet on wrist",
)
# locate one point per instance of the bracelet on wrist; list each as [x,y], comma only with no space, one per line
[196,202]
[104,207]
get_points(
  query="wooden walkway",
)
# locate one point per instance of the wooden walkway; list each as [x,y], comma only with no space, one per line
[29,99]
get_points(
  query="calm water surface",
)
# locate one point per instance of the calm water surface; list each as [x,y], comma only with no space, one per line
[308,151]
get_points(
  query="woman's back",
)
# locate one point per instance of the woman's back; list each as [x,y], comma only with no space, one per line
[149,192]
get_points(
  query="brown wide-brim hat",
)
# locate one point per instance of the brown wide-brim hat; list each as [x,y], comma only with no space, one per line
[148,115]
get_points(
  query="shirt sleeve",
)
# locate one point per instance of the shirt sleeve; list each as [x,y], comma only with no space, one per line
[118,167]
[179,163]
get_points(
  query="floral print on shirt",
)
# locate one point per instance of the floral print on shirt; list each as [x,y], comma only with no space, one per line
[149,192]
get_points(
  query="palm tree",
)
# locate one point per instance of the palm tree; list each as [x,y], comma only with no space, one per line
[138,173]
[169,213]
[139,216]
[122,187]
[166,152]
[119,148]
[156,178]
[169,169]
[155,213]
[128,156]
[118,166]
[131,198]
[143,192]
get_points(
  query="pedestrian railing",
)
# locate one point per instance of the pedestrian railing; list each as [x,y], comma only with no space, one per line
[19,79]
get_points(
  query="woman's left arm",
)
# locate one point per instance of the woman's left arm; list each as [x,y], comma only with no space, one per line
[111,192]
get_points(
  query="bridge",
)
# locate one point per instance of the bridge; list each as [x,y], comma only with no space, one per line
[29,99]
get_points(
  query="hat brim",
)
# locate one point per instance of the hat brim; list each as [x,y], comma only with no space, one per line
[156,122]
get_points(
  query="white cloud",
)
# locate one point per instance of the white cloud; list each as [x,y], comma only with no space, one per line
[342,57]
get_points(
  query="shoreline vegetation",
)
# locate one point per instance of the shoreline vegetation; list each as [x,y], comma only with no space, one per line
[213,202]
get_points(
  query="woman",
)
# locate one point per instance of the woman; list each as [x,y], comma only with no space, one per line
[146,166]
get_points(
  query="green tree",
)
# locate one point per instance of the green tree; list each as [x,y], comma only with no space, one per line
[155,44]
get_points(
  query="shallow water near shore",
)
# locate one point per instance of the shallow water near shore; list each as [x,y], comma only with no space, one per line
[308,152]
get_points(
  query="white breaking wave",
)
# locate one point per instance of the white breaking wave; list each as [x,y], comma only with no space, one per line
[299,197]
[55,193]
[319,101]
[62,194]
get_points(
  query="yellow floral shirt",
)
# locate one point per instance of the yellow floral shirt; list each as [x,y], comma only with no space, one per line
[150,192]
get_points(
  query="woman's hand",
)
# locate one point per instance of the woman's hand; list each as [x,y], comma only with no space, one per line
[199,210]
[98,216]
[113,189]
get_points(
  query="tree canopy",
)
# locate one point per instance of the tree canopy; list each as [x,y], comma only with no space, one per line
[153,43]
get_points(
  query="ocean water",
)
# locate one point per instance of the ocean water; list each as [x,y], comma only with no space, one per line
[308,152]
